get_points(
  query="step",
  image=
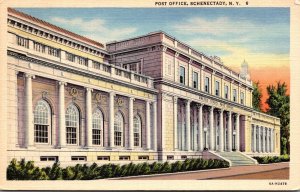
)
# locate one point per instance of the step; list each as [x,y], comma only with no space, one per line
[236,158]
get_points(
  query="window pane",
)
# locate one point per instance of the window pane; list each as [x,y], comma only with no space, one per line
[42,113]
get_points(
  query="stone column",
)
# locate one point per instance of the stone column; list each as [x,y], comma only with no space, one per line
[62,116]
[154,125]
[130,122]
[221,136]
[111,119]
[272,140]
[188,124]
[263,140]
[195,130]
[237,132]
[259,139]
[200,127]
[254,138]
[229,132]
[268,141]
[89,117]
[211,129]
[175,123]
[29,142]
[148,144]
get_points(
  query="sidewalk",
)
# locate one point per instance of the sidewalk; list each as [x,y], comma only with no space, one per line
[211,174]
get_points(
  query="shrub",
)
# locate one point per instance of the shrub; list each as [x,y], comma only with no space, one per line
[272,159]
[155,167]
[176,167]
[165,168]
[145,169]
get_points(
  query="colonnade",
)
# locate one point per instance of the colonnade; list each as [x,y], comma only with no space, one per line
[262,139]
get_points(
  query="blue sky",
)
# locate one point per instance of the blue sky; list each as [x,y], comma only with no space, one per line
[259,35]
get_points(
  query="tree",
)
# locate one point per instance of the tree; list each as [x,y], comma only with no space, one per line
[256,97]
[279,106]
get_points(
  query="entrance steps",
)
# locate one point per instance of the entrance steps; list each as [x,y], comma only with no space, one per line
[237,158]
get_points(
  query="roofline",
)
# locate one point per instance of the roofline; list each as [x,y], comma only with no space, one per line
[14,12]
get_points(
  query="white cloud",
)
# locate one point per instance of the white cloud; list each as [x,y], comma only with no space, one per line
[95,29]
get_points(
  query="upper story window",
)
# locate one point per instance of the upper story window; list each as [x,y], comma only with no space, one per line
[137,127]
[136,67]
[97,127]
[182,75]
[72,124]
[42,122]
[207,84]
[70,57]
[39,47]
[53,51]
[217,88]
[234,95]
[195,80]
[96,65]
[118,129]
[242,98]
[82,61]
[226,91]
[23,42]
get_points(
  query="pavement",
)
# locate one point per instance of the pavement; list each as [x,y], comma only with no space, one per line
[268,171]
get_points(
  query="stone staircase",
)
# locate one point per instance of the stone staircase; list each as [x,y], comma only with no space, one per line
[237,158]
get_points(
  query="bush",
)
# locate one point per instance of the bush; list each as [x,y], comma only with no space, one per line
[21,170]
[272,159]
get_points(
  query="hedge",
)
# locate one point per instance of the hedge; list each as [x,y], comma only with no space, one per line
[21,170]
[272,159]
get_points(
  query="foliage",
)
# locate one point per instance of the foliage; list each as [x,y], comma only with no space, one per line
[256,97]
[279,106]
[21,170]
[272,159]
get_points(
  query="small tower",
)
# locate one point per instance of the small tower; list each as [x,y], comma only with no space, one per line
[244,70]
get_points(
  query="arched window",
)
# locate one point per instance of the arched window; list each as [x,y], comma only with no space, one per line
[72,124]
[42,122]
[97,127]
[137,127]
[118,127]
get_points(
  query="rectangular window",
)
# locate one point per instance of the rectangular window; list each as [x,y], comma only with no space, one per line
[207,84]
[136,139]
[40,133]
[234,95]
[226,91]
[22,42]
[53,51]
[144,157]
[183,157]
[195,80]
[242,98]
[217,88]
[96,137]
[182,75]
[133,67]
[124,158]
[78,158]
[170,157]
[39,47]
[103,158]
[71,135]
[82,61]
[49,158]
[70,57]
[118,138]
[96,65]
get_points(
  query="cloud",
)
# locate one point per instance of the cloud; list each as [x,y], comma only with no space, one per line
[95,29]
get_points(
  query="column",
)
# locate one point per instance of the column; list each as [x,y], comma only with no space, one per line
[254,138]
[154,125]
[200,128]
[111,119]
[238,132]
[89,118]
[259,139]
[148,144]
[175,123]
[221,137]
[28,111]
[211,129]
[268,141]
[130,123]
[263,139]
[272,141]
[188,124]
[62,117]
[229,132]
[195,130]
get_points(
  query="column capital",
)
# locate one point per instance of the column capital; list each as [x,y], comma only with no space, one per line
[211,108]
[229,112]
[89,89]
[112,93]
[131,98]
[202,67]
[199,105]
[175,98]
[220,110]
[28,75]
[177,54]
[62,83]
[187,101]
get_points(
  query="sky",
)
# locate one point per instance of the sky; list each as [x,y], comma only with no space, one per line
[260,36]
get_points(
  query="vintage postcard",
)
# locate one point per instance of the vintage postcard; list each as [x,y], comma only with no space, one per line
[150,95]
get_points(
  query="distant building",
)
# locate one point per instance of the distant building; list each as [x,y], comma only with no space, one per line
[142,99]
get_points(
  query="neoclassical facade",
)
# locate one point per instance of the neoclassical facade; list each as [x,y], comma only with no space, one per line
[74,100]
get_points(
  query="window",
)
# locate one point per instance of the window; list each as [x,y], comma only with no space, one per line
[39,47]
[124,158]
[170,157]
[136,67]
[242,98]
[22,42]
[182,75]
[96,65]
[52,51]
[183,157]
[103,158]
[217,88]
[226,91]
[207,84]
[97,127]
[195,80]
[42,120]
[70,57]
[137,125]
[82,61]
[144,157]
[118,127]
[49,158]
[78,158]
[72,124]
[234,95]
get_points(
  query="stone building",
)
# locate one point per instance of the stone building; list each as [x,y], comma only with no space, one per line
[74,100]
